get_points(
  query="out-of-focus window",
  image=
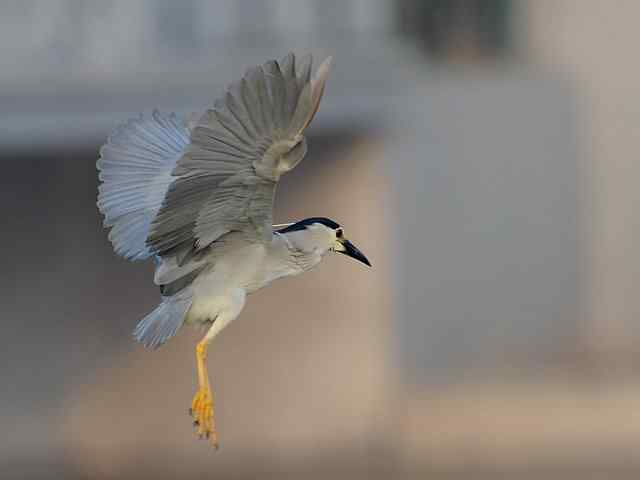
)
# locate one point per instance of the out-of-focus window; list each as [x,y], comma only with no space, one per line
[457,30]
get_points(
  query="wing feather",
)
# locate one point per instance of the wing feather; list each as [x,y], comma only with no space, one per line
[226,179]
[277,92]
[135,172]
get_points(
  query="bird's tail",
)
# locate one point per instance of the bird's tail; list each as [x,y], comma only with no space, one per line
[164,322]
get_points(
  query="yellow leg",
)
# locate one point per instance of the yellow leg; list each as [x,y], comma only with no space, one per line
[202,409]
[202,405]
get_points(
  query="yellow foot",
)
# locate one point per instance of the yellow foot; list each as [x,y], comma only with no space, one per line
[202,412]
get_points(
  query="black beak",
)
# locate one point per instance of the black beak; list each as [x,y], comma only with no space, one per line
[351,251]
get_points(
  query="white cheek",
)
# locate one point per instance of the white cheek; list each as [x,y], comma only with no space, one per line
[323,236]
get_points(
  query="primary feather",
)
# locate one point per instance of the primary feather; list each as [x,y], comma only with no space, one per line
[135,170]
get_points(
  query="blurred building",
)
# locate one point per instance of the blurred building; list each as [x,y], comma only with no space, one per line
[481,153]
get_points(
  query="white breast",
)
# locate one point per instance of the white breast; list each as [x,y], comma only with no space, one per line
[213,289]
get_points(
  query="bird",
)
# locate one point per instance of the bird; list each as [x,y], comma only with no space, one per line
[195,195]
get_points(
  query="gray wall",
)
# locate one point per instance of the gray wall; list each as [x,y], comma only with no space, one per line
[488,251]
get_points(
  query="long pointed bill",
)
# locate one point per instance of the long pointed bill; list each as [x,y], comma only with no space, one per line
[351,251]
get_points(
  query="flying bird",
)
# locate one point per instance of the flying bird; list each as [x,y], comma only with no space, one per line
[196,196]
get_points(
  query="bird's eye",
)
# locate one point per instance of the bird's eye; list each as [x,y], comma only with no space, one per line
[339,233]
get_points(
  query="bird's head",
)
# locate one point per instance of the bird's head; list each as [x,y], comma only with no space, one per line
[322,235]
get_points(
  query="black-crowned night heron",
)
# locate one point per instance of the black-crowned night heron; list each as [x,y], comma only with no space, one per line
[197,196]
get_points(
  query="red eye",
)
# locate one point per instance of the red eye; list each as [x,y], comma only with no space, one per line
[339,233]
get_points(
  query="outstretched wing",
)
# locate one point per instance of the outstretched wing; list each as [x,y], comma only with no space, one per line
[135,172]
[226,179]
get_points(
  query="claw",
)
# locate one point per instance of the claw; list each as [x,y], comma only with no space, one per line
[201,409]
[202,413]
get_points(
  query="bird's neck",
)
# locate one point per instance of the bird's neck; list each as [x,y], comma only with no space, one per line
[303,256]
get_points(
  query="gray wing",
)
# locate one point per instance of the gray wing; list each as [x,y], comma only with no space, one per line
[135,172]
[226,179]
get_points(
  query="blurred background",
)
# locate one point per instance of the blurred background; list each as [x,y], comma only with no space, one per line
[482,153]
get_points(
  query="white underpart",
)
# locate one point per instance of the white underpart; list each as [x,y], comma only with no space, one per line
[219,294]
[229,310]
